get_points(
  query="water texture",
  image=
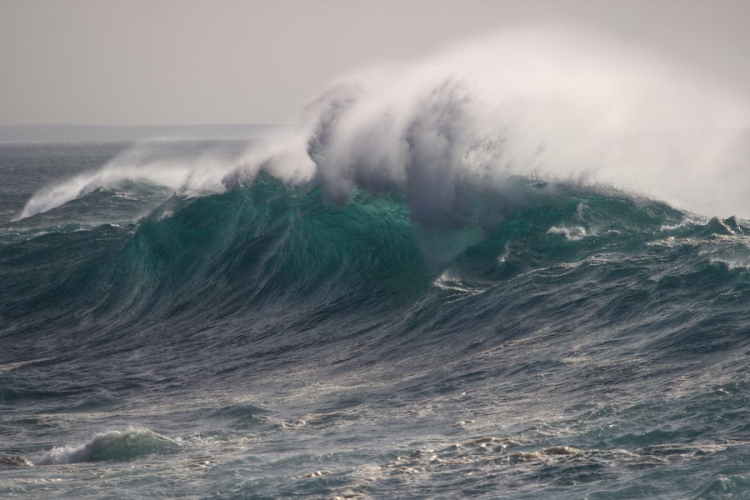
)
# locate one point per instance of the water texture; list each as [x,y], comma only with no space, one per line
[265,343]
[413,294]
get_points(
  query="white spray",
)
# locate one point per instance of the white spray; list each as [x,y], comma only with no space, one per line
[544,102]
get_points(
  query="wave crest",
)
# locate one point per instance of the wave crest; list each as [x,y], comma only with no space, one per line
[538,102]
[118,446]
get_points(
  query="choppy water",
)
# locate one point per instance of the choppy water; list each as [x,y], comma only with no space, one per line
[263,342]
[464,278]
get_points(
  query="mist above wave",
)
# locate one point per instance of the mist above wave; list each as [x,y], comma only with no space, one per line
[539,102]
[558,104]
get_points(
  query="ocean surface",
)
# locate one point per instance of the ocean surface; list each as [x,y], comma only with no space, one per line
[269,340]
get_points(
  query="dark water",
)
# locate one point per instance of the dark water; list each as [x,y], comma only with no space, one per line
[265,343]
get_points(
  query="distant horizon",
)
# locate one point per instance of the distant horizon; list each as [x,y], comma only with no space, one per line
[53,133]
[248,124]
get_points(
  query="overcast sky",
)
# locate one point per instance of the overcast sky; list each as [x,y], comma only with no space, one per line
[131,62]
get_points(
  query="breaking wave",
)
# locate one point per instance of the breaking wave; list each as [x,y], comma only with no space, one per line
[536,102]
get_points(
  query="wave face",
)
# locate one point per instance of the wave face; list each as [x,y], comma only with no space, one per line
[409,296]
[586,341]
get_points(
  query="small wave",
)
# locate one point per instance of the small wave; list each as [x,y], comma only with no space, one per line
[116,446]
[15,461]
[726,227]
[201,175]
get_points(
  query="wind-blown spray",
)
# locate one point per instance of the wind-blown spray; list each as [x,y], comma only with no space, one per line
[534,102]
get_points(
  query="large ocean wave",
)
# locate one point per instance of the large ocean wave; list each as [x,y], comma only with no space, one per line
[521,266]
[283,255]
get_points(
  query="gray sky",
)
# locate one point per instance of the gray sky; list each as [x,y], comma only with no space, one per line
[118,62]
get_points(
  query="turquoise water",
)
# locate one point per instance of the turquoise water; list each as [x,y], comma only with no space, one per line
[267,342]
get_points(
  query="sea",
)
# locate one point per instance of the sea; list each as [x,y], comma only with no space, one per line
[401,298]
[265,342]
